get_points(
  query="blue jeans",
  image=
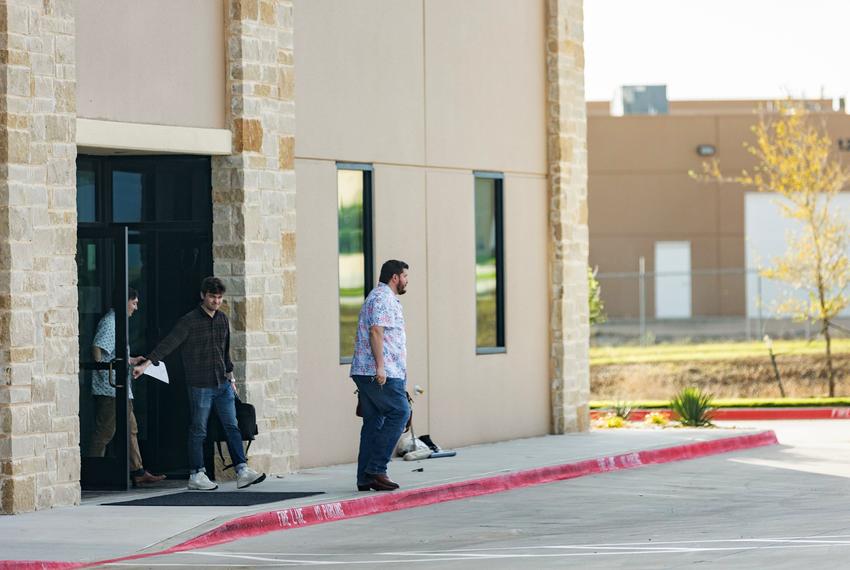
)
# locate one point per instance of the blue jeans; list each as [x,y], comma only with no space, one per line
[201,402]
[385,411]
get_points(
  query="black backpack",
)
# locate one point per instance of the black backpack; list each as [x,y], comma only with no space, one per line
[246,419]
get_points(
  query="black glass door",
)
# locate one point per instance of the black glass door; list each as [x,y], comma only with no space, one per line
[165,204]
[103,378]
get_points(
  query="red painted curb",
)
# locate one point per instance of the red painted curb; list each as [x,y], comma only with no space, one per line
[819,413]
[296,517]
[37,565]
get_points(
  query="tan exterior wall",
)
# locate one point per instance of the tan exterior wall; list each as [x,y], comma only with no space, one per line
[396,82]
[325,389]
[360,80]
[420,217]
[414,98]
[640,193]
[485,106]
[159,61]
[491,397]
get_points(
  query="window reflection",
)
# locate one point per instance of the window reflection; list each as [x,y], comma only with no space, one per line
[126,196]
[85,195]
[489,327]
[352,192]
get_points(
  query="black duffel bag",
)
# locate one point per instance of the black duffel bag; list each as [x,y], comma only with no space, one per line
[246,419]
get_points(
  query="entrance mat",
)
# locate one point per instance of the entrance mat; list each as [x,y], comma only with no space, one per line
[215,499]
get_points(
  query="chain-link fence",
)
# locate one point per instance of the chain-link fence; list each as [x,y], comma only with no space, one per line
[704,305]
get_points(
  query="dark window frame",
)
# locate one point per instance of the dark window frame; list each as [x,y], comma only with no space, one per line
[104,166]
[498,211]
[368,243]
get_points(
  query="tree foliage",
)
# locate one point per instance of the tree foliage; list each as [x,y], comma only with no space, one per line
[597,307]
[795,159]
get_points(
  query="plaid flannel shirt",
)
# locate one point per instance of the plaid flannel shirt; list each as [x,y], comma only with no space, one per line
[205,342]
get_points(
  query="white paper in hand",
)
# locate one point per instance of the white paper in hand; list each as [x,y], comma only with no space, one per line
[157,371]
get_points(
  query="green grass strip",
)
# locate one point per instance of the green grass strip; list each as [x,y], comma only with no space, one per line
[733,403]
[602,355]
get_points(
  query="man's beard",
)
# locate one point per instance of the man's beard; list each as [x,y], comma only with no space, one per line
[402,290]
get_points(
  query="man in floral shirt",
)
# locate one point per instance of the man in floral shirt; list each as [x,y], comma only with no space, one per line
[379,369]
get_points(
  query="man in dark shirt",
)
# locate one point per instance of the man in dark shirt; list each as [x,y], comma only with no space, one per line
[204,335]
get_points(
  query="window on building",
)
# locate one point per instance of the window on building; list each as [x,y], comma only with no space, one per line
[86,192]
[354,215]
[489,264]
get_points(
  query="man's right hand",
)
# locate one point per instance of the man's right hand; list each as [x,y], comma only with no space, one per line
[140,369]
[380,377]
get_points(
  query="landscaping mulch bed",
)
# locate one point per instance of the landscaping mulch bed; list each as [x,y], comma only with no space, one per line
[803,376]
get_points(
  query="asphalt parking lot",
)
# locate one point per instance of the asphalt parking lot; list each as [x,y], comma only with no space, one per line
[781,507]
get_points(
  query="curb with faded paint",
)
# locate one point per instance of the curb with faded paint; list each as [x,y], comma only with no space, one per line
[377,503]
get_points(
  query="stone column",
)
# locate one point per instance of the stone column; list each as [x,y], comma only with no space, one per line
[254,221]
[568,235]
[39,393]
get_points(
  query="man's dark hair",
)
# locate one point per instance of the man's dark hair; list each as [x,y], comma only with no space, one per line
[119,300]
[212,285]
[390,268]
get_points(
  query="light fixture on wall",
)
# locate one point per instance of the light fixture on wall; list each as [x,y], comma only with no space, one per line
[706,149]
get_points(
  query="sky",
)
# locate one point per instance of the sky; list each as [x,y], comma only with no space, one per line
[718,49]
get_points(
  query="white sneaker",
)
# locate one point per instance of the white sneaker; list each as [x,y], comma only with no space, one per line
[248,477]
[200,482]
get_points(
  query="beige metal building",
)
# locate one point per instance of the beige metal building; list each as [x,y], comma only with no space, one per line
[643,204]
[289,147]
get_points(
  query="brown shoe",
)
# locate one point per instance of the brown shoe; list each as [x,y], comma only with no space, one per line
[381,482]
[146,478]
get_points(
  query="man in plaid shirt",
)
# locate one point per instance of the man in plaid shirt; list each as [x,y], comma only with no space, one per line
[204,336]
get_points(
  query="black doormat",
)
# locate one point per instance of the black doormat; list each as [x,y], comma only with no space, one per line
[215,499]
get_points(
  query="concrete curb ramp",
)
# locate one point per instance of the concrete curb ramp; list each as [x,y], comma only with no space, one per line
[385,502]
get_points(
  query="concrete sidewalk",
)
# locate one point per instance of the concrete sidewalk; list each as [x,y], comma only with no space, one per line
[92,531]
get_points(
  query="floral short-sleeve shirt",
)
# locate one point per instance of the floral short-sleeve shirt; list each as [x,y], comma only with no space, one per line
[104,339]
[381,308]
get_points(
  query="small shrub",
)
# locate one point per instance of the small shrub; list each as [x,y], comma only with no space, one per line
[693,406]
[657,418]
[622,409]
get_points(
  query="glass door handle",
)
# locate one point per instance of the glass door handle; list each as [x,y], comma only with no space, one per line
[112,374]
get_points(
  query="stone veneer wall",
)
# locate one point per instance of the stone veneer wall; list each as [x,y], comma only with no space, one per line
[254,222]
[39,393]
[569,364]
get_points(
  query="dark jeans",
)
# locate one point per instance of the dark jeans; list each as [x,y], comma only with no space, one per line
[385,411]
[201,402]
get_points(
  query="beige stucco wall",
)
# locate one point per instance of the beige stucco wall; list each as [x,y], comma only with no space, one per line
[395,84]
[426,218]
[159,62]
[325,390]
[487,397]
[485,106]
[360,80]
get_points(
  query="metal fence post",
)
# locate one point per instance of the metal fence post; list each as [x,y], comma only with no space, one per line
[758,300]
[642,290]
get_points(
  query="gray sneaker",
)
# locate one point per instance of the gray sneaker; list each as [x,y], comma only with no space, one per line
[248,477]
[200,482]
